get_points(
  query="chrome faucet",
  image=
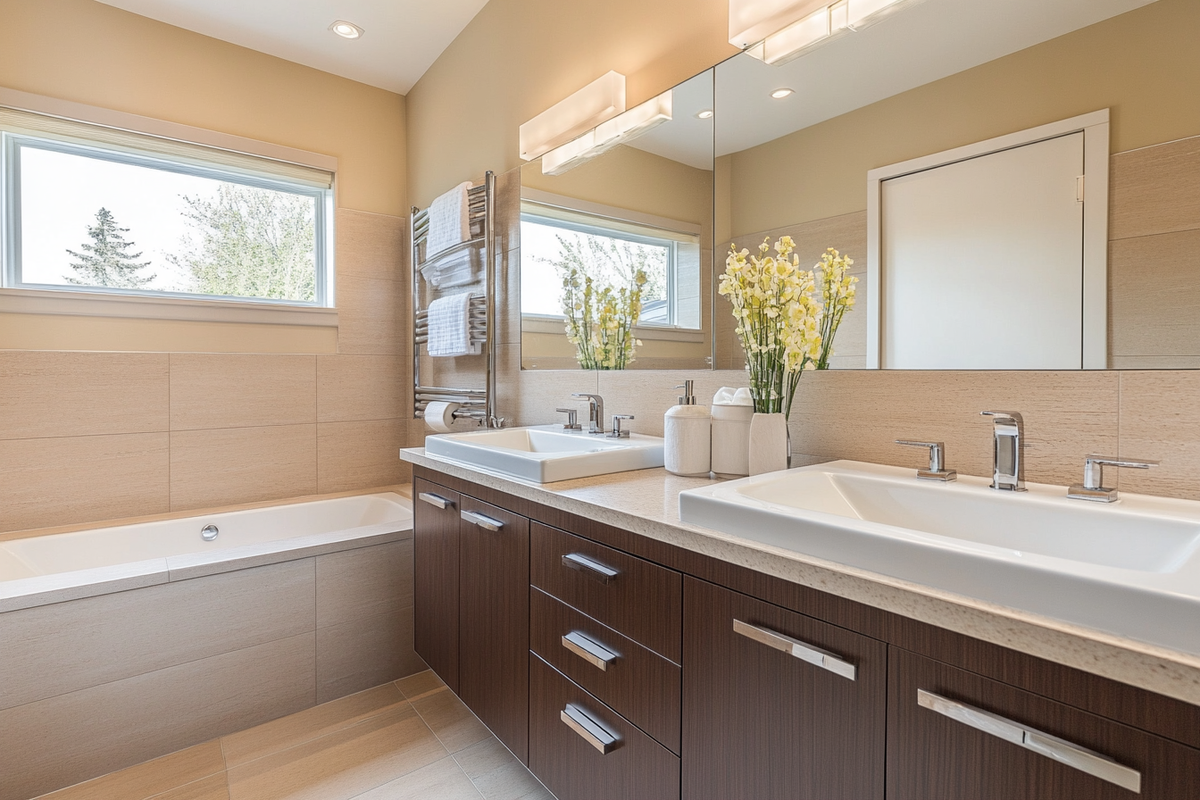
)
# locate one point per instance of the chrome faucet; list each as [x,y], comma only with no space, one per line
[1008,450]
[937,461]
[1093,487]
[595,411]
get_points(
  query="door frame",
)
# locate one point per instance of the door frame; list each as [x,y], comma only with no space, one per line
[1095,129]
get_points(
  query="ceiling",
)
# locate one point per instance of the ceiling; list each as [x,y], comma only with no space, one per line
[402,38]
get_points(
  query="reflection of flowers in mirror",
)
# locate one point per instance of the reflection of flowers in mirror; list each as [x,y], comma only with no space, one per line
[837,297]
[600,318]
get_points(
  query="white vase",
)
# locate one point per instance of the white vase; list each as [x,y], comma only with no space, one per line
[768,443]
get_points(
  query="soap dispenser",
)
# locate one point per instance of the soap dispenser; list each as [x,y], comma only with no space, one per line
[687,429]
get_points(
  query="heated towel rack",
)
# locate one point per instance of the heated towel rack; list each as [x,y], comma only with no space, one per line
[474,403]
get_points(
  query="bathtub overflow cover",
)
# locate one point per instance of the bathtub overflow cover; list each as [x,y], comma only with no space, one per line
[209,532]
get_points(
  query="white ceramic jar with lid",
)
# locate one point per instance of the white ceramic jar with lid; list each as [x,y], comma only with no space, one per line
[687,436]
[732,411]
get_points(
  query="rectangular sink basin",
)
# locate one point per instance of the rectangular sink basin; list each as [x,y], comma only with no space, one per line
[547,453]
[1130,568]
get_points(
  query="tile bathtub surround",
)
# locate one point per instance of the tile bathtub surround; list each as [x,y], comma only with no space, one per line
[93,685]
[91,436]
[407,740]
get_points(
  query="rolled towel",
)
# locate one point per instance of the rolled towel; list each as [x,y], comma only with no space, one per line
[450,327]
[448,221]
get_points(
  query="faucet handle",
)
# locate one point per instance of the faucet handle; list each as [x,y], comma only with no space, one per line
[1093,487]
[937,461]
[1003,416]
[572,419]
[617,432]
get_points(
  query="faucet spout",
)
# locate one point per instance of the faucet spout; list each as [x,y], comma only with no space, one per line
[595,411]
[1008,450]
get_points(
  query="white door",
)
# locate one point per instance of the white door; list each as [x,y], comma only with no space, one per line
[981,261]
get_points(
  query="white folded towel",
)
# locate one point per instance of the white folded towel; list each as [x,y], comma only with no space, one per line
[450,327]
[448,221]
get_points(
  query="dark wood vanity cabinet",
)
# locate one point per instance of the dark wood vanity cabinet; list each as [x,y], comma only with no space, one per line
[777,705]
[629,668]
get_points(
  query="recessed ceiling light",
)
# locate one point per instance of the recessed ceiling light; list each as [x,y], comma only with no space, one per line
[347,30]
[705,114]
[779,94]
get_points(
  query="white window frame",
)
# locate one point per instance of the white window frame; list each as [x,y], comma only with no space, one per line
[19,297]
[651,330]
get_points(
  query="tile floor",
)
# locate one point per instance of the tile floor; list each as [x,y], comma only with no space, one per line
[408,739]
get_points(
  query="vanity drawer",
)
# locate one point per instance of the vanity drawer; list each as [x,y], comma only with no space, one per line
[635,597]
[639,684]
[954,734]
[567,758]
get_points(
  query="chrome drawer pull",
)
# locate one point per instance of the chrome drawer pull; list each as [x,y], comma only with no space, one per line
[589,650]
[437,501]
[485,522]
[1060,750]
[589,729]
[590,567]
[794,647]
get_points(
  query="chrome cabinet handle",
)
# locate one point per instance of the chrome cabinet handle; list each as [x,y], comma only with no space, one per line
[590,567]
[797,649]
[483,521]
[589,650]
[589,729]
[436,500]
[1060,750]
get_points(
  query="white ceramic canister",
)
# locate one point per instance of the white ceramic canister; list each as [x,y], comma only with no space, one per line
[687,434]
[732,411]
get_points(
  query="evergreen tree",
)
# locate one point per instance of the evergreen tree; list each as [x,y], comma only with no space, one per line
[106,260]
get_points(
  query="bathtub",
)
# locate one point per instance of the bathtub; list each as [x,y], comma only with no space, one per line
[122,644]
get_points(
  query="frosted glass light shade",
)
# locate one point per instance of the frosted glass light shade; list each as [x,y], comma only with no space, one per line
[751,21]
[618,130]
[599,101]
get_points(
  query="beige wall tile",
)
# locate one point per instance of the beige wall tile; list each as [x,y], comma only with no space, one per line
[859,414]
[441,779]
[1155,190]
[280,734]
[82,478]
[153,777]
[242,465]
[371,245]
[1158,421]
[361,455]
[1154,298]
[365,652]
[529,397]
[362,388]
[214,787]
[63,740]
[221,390]
[420,684]
[79,394]
[343,764]
[364,582]
[372,316]
[60,648]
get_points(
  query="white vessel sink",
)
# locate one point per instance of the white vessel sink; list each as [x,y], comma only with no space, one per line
[547,453]
[1131,568]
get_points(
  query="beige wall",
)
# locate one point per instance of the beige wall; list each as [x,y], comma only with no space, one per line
[175,421]
[1143,65]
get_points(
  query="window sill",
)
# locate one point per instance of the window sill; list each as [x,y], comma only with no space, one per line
[542,324]
[86,304]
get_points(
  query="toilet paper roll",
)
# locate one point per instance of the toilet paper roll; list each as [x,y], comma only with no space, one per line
[440,416]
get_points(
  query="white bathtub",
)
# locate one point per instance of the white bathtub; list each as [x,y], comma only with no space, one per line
[66,566]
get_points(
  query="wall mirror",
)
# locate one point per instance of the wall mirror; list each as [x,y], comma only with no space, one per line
[945,74]
[645,205]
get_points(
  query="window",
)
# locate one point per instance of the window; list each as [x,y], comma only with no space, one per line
[609,250]
[94,209]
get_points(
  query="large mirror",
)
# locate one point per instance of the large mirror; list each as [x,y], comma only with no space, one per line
[934,77]
[623,244]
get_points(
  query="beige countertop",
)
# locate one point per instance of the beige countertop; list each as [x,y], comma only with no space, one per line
[646,502]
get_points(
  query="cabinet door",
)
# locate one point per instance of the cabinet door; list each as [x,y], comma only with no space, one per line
[761,720]
[953,734]
[494,620]
[435,578]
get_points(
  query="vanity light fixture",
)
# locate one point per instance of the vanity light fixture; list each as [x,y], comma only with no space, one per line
[609,134]
[346,30]
[779,94]
[705,114]
[781,31]
[596,103]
